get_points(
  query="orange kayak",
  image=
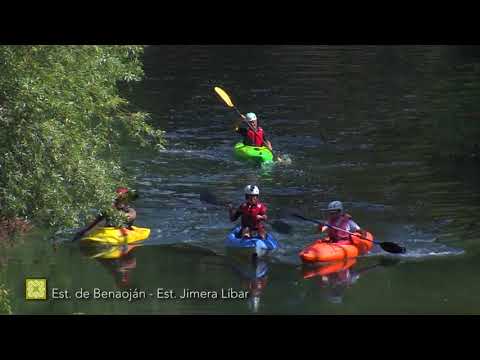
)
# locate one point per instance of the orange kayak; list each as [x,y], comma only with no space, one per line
[324,251]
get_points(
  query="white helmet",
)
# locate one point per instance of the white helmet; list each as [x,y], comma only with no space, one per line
[252,190]
[335,205]
[251,116]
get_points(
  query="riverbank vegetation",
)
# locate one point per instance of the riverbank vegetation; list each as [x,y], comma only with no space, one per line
[5,307]
[63,121]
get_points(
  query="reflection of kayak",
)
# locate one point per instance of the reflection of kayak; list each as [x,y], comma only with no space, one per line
[251,270]
[323,251]
[114,252]
[120,262]
[259,154]
[328,268]
[116,236]
[256,243]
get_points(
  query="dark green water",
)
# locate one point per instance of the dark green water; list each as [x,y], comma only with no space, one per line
[359,123]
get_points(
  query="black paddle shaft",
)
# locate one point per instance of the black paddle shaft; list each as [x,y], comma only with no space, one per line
[387,246]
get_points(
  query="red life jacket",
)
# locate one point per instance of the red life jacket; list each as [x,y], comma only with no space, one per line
[342,223]
[250,212]
[255,139]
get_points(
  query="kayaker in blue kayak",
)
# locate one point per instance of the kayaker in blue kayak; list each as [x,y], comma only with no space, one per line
[121,203]
[253,213]
[253,135]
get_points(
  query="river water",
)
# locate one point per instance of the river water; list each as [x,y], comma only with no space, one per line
[358,123]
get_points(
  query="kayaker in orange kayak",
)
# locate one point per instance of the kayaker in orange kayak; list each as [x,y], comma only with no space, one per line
[339,218]
[121,204]
[252,211]
[253,135]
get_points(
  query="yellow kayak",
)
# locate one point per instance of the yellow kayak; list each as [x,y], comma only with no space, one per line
[117,236]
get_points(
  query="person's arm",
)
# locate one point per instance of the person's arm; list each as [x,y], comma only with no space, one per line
[353,227]
[269,144]
[362,232]
[81,232]
[234,213]
[241,130]
[239,122]
[263,214]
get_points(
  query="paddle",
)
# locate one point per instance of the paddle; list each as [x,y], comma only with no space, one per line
[207,196]
[224,96]
[132,196]
[79,234]
[387,246]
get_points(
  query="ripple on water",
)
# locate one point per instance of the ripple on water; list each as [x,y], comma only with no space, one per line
[419,250]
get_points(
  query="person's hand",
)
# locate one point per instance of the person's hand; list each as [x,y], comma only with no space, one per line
[229,206]
[243,116]
[260,217]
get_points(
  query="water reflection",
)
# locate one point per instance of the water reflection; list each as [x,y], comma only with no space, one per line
[333,279]
[253,274]
[119,260]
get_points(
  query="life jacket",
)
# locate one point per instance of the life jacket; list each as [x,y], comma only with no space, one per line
[250,212]
[255,139]
[341,223]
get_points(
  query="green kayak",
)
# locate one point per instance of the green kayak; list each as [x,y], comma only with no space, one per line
[259,154]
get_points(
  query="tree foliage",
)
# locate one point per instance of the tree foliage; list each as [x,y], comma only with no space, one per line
[5,307]
[62,121]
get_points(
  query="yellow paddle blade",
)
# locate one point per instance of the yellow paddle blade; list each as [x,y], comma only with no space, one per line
[224,96]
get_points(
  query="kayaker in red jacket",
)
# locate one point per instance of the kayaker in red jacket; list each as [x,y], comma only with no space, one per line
[253,134]
[120,204]
[253,213]
[340,219]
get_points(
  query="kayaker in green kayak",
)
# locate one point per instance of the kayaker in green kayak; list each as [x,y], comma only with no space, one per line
[124,195]
[253,213]
[253,135]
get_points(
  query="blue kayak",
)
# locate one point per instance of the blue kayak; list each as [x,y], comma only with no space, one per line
[260,246]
